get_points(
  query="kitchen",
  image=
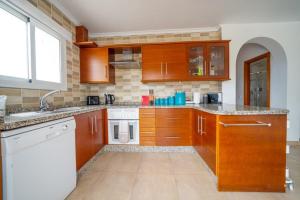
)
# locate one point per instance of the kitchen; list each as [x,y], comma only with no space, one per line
[140,115]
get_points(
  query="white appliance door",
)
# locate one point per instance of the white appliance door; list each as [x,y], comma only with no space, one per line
[42,169]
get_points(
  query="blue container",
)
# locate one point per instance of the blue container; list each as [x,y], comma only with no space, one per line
[164,101]
[157,101]
[180,98]
[171,100]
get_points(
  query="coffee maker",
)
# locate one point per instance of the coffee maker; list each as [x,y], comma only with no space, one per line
[109,99]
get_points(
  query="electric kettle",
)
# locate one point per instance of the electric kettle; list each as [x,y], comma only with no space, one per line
[109,99]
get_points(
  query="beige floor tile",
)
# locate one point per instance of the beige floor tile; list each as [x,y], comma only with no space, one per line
[124,162]
[112,186]
[186,163]
[149,166]
[101,162]
[84,184]
[154,187]
[155,156]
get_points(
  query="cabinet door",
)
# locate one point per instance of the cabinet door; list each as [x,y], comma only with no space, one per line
[152,63]
[196,61]
[218,60]
[175,62]
[98,136]
[84,149]
[94,66]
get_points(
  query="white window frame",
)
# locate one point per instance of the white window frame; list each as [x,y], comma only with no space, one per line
[43,22]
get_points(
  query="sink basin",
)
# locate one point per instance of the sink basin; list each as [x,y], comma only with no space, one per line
[66,109]
[27,114]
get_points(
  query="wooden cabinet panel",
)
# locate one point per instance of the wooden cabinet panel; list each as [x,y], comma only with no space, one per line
[84,139]
[252,158]
[98,131]
[94,66]
[165,62]
[147,126]
[89,136]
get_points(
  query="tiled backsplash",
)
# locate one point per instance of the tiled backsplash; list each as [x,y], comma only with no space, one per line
[129,87]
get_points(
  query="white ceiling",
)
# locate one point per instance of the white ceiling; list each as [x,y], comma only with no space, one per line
[116,16]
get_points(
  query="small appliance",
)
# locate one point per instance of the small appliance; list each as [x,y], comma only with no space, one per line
[214,98]
[180,98]
[93,100]
[145,100]
[196,97]
[109,99]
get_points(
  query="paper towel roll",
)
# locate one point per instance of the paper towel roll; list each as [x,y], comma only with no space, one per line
[196,97]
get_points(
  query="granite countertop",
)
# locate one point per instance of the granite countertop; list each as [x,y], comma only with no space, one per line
[11,122]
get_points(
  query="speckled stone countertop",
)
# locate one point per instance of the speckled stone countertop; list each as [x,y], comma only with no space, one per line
[11,122]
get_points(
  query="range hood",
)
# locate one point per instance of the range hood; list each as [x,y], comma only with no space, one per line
[125,58]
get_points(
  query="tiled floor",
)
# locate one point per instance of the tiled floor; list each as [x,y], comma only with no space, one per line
[155,176]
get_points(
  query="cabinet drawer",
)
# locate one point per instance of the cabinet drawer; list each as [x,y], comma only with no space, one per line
[172,122]
[173,132]
[173,141]
[147,141]
[172,112]
[147,122]
[147,113]
[145,131]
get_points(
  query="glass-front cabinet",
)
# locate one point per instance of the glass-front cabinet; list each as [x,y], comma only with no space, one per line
[208,61]
[196,62]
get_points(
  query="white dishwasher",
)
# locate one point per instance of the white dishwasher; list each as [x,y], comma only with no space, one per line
[39,161]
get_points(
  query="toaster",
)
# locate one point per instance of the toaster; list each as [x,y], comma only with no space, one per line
[93,100]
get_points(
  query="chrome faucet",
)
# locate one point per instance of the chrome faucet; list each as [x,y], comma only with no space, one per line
[43,103]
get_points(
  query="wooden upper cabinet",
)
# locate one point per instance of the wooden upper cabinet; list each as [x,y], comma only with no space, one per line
[94,66]
[189,61]
[208,60]
[163,62]
[218,60]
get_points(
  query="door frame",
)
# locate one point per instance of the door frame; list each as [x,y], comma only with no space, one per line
[247,77]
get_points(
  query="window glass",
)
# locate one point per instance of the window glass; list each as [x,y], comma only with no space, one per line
[47,54]
[13,46]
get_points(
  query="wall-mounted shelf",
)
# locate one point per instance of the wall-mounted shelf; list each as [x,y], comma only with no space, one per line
[87,44]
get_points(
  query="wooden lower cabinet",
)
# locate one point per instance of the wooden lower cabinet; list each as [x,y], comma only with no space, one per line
[89,136]
[173,126]
[147,126]
[251,155]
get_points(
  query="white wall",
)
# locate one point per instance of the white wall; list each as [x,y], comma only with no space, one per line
[247,52]
[287,35]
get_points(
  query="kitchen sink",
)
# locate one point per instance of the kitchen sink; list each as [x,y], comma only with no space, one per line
[66,109]
[28,114]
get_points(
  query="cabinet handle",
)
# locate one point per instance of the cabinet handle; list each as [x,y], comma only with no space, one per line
[204,64]
[161,68]
[258,123]
[92,125]
[198,129]
[202,129]
[166,68]
[106,69]
[96,126]
[172,137]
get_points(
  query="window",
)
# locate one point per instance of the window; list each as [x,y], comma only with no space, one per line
[32,55]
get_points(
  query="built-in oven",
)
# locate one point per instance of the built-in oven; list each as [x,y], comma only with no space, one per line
[114,130]
[123,122]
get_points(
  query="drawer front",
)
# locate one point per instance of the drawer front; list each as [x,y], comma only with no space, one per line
[147,122]
[173,141]
[171,112]
[173,132]
[147,113]
[147,141]
[145,131]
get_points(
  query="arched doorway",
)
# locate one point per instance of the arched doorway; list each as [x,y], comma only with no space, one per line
[278,70]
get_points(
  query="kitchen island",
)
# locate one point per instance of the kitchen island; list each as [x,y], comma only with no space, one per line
[243,146]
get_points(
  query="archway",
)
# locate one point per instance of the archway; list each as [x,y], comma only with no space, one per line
[278,76]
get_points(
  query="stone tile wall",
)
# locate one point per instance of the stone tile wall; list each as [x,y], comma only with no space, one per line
[128,81]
